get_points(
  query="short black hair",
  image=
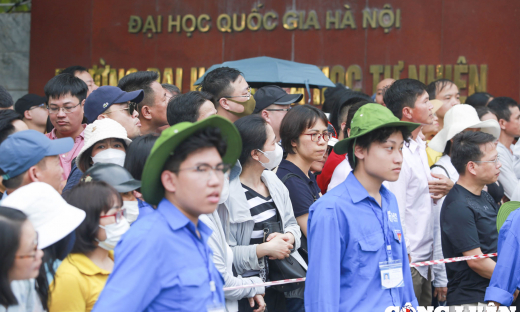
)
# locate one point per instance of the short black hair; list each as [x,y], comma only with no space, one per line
[172,88]
[437,86]
[204,138]
[351,112]
[73,70]
[403,93]
[64,84]
[6,100]
[478,99]
[16,182]
[340,110]
[185,107]
[11,222]
[332,96]
[253,132]
[378,135]
[7,116]
[94,198]
[218,82]
[296,121]
[500,106]
[466,148]
[137,153]
[483,110]
[141,80]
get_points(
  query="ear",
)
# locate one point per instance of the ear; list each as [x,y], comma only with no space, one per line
[470,166]
[265,115]
[146,112]
[27,114]
[33,174]
[224,104]
[255,155]
[101,116]
[169,181]
[359,152]
[407,112]
[502,123]
[342,126]
[83,105]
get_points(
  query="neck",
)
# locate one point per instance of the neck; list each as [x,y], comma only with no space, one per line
[301,163]
[251,175]
[72,135]
[224,113]
[98,256]
[370,183]
[416,132]
[469,184]
[441,122]
[146,126]
[171,198]
[506,140]
[32,126]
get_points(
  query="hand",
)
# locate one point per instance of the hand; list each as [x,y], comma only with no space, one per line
[277,248]
[261,303]
[440,188]
[288,237]
[440,293]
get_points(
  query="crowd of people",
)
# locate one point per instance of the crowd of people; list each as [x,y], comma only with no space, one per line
[141,198]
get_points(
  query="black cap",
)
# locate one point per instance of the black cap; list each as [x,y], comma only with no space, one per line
[269,95]
[115,175]
[27,101]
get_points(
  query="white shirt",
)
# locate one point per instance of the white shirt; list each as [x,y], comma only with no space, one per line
[415,204]
[27,297]
[340,174]
[507,176]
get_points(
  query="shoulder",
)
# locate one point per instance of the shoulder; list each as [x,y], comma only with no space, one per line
[149,231]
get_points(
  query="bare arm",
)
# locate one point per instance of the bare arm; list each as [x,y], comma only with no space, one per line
[484,267]
[302,222]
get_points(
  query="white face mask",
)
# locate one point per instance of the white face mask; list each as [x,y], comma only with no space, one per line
[114,232]
[275,157]
[132,210]
[110,155]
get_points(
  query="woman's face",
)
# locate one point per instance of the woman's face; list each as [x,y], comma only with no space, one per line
[28,257]
[106,144]
[108,217]
[308,149]
[270,143]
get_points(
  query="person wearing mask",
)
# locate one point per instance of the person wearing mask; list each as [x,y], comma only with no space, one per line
[54,220]
[354,232]
[82,275]
[273,103]
[192,106]
[66,96]
[6,100]
[164,262]
[152,109]
[508,113]
[446,91]
[83,74]
[231,93]
[257,200]
[34,111]
[381,88]
[121,180]
[111,102]
[468,218]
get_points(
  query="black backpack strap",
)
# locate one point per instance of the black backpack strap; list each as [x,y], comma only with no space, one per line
[442,167]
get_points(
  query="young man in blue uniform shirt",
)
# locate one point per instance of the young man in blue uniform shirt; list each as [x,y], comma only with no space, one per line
[163,263]
[357,257]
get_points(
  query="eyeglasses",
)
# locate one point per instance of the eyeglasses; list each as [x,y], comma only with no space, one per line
[278,109]
[42,105]
[66,110]
[245,96]
[131,108]
[35,250]
[315,137]
[205,169]
[118,215]
[489,161]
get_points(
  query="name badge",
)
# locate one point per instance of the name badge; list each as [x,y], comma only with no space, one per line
[391,274]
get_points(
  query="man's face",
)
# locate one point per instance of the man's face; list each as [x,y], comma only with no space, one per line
[380,89]
[38,115]
[52,172]
[274,116]
[206,109]
[512,127]
[383,160]
[67,116]
[241,93]
[121,114]
[422,111]
[161,98]
[87,78]
[487,172]
[449,96]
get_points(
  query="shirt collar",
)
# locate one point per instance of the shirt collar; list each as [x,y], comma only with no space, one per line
[287,165]
[177,220]
[86,266]
[81,135]
[358,192]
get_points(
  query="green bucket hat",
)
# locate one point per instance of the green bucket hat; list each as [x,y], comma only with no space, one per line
[370,117]
[504,212]
[151,187]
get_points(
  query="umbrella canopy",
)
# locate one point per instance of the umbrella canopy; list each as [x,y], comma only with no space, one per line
[264,70]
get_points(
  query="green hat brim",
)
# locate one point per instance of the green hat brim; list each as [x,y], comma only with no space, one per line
[504,212]
[342,146]
[152,188]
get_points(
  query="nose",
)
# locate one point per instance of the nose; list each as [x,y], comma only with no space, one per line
[135,114]
[398,157]
[215,179]
[61,112]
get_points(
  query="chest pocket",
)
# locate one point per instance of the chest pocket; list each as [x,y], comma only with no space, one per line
[193,277]
[368,260]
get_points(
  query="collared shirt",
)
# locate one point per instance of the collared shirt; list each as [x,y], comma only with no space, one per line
[77,284]
[346,243]
[144,209]
[161,264]
[507,175]
[340,174]
[66,159]
[506,275]
[415,203]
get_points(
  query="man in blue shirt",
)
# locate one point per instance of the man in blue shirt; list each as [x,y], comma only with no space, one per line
[357,257]
[163,263]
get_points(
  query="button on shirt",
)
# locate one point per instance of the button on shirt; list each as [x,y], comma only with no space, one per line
[66,159]
[346,243]
[415,204]
[162,265]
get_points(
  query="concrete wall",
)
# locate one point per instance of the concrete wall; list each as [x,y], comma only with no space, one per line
[15,33]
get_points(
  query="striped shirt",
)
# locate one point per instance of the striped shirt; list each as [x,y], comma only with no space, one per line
[263,210]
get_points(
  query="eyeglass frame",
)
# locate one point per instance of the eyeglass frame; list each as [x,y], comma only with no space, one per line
[496,161]
[66,110]
[42,105]
[278,109]
[245,96]
[118,215]
[320,136]
[131,108]
[36,240]
[225,168]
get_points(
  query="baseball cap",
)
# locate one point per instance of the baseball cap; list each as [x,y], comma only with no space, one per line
[102,98]
[27,101]
[151,186]
[52,217]
[24,149]
[504,212]
[113,174]
[269,95]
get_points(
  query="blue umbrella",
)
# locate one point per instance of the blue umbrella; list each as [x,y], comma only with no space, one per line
[263,70]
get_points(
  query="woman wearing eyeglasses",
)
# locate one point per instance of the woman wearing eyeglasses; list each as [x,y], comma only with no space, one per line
[82,275]
[20,260]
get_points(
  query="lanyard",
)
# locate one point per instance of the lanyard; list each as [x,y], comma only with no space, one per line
[384,228]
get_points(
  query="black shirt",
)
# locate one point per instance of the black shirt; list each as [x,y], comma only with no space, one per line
[467,222]
[263,210]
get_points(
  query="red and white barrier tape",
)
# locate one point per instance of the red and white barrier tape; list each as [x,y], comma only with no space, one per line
[417,264]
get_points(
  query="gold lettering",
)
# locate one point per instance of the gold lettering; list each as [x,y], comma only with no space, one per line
[434,73]
[348,20]
[354,73]
[290,20]
[386,21]
[185,27]
[121,74]
[367,19]
[447,72]
[457,79]
[149,25]
[312,21]
[398,69]
[476,84]
[325,71]
[200,23]
[157,71]
[388,71]
[332,20]
[168,75]
[337,74]
[242,23]
[134,24]
[270,22]
[250,25]
[159,23]
[171,23]
[131,71]
[224,27]
[178,78]
[112,77]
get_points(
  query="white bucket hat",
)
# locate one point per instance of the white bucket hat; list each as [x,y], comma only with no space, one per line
[458,118]
[100,130]
[48,212]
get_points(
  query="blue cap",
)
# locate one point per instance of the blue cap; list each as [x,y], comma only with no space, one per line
[24,149]
[102,98]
